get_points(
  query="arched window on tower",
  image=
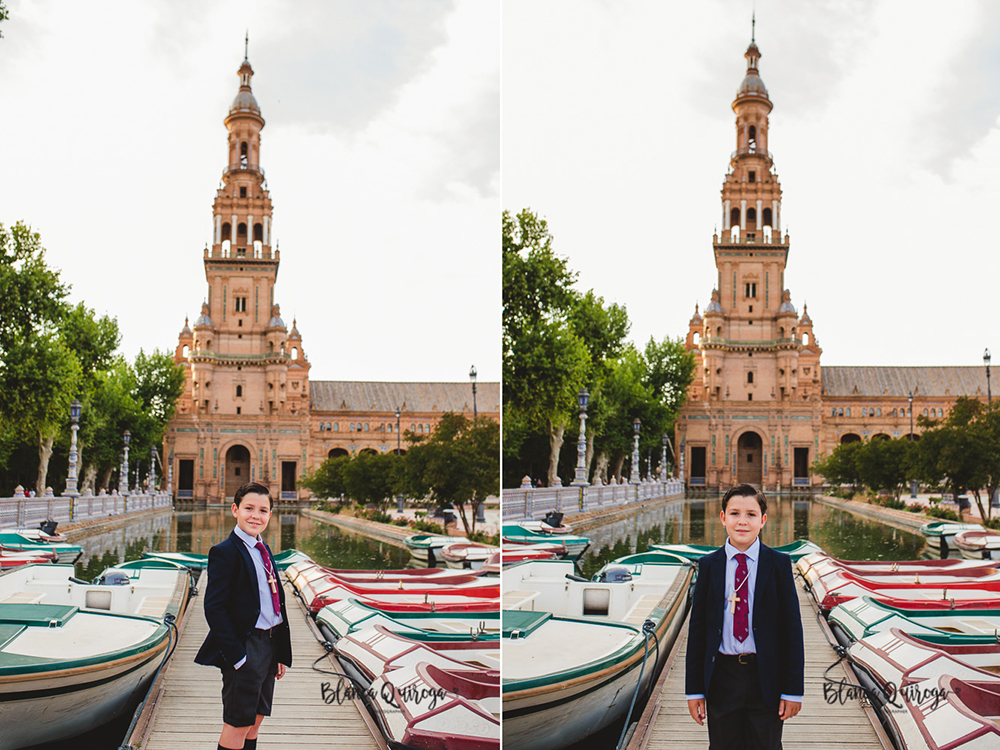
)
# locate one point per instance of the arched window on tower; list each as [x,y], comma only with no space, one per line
[751,217]
[241,234]
[734,217]
[239,391]
[766,218]
[749,377]
[243,155]
[258,240]
[295,352]
[752,140]
[805,339]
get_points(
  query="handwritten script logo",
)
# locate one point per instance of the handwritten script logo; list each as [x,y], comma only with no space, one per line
[841,691]
[346,690]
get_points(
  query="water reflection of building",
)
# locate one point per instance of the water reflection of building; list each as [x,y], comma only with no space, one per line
[761,408]
[249,411]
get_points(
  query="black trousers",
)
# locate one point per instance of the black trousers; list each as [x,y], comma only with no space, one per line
[738,718]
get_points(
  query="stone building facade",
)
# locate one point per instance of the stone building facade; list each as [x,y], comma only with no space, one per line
[762,408]
[249,411]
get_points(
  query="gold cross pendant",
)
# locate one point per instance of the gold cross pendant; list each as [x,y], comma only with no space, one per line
[732,603]
[274,589]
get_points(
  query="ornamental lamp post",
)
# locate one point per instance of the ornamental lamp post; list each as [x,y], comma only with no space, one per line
[123,472]
[986,362]
[634,479]
[913,482]
[472,378]
[74,415]
[399,497]
[663,460]
[580,480]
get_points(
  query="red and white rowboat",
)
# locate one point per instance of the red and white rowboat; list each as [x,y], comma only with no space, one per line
[837,588]
[979,545]
[317,594]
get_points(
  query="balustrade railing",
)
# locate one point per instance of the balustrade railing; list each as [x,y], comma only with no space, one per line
[29,511]
[526,503]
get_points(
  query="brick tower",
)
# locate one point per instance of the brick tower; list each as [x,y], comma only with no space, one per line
[247,391]
[753,413]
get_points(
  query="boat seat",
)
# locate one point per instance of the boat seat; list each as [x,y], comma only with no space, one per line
[23,597]
[153,606]
[517,599]
[642,609]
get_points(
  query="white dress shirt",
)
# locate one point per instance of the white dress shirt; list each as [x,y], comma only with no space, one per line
[268,617]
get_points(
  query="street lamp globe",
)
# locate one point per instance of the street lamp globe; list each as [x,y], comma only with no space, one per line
[583,398]
[127,436]
[472,374]
[637,424]
[74,410]
[986,358]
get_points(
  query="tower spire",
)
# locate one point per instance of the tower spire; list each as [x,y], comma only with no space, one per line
[753,27]
[246,46]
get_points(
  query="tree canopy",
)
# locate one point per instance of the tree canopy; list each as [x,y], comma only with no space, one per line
[557,340]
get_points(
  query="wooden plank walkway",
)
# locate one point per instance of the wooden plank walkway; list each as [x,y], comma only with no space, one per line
[667,725]
[188,711]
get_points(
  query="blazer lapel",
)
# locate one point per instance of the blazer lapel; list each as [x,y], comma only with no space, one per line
[765,567]
[245,555]
[719,577]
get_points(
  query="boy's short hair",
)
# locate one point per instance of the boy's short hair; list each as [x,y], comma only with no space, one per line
[252,488]
[745,490]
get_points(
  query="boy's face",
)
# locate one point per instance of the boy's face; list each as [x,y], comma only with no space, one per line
[253,513]
[743,521]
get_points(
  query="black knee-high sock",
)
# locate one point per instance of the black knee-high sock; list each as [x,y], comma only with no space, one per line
[250,744]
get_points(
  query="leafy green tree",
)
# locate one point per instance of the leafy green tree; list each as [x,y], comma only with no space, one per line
[3,16]
[841,465]
[327,480]
[372,478]
[885,464]
[459,463]
[31,294]
[38,378]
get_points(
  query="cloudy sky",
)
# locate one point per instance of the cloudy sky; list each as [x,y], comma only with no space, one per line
[617,127]
[381,148]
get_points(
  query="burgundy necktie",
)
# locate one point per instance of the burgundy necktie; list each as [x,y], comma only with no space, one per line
[741,617]
[272,581]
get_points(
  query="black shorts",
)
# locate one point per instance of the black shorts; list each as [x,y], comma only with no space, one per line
[248,691]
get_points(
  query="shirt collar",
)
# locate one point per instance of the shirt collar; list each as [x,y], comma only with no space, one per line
[751,553]
[248,540]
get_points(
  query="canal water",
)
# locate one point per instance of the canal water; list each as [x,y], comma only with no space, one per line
[696,521]
[838,532]
[197,531]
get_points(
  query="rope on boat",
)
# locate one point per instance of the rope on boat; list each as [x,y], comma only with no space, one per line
[648,628]
[173,638]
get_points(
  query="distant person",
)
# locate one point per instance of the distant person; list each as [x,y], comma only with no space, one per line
[745,656]
[248,638]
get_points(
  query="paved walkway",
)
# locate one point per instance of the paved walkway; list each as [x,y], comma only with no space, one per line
[188,711]
[666,723]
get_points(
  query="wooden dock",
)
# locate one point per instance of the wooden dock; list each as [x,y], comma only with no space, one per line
[184,709]
[667,725]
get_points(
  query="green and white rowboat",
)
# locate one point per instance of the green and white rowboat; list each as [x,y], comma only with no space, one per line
[575,545]
[65,671]
[425,548]
[13,540]
[573,649]
[863,617]
[941,534]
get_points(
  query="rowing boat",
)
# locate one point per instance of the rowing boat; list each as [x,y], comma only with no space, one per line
[575,545]
[928,697]
[344,617]
[424,548]
[940,535]
[65,671]
[195,561]
[576,651]
[979,545]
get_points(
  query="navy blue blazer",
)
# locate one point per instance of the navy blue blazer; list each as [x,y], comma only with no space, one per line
[232,606]
[777,625]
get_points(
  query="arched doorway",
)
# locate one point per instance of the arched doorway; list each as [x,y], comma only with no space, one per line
[880,436]
[337,453]
[850,437]
[749,459]
[237,470]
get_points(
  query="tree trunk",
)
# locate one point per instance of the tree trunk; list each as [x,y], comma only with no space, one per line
[105,478]
[86,486]
[618,468]
[555,445]
[44,454]
[589,458]
[601,467]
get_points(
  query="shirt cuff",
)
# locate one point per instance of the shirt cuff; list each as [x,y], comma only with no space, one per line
[242,661]
[792,698]
[694,697]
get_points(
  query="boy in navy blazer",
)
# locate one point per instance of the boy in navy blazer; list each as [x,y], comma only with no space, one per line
[745,657]
[248,635]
